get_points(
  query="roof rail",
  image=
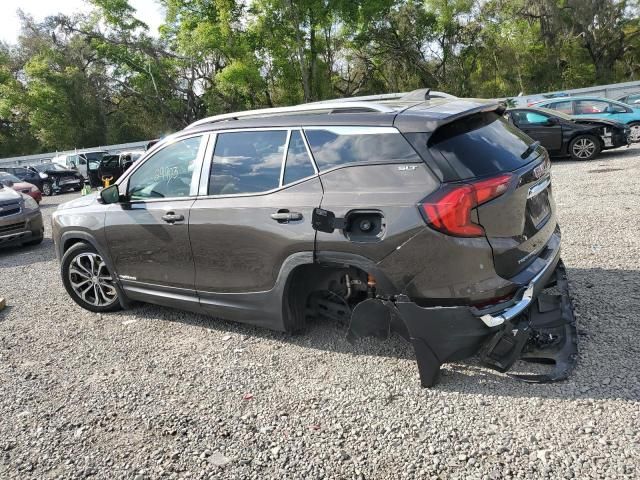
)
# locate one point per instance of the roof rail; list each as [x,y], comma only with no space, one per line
[329,107]
[364,98]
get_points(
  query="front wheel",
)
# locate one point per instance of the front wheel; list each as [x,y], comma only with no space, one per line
[584,147]
[47,189]
[634,134]
[88,280]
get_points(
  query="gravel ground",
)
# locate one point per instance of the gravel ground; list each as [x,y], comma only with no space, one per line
[154,392]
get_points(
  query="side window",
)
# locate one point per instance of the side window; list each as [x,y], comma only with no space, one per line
[536,118]
[168,173]
[247,162]
[584,107]
[82,161]
[334,146]
[564,107]
[298,164]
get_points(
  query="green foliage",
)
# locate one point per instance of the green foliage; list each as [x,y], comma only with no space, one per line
[100,78]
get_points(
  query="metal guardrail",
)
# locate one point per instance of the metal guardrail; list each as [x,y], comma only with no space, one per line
[614,90]
[611,91]
[46,157]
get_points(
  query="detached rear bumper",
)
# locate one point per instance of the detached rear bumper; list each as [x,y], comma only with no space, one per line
[538,327]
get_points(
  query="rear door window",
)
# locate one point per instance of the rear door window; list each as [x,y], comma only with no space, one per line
[481,144]
[585,107]
[336,146]
[298,165]
[247,162]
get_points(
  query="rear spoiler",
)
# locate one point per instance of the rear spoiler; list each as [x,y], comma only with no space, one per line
[429,116]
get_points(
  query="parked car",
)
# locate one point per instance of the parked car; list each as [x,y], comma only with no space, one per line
[593,107]
[581,138]
[632,99]
[83,162]
[113,166]
[433,218]
[20,219]
[18,185]
[60,179]
[39,179]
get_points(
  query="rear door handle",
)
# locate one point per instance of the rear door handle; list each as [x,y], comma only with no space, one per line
[171,217]
[286,216]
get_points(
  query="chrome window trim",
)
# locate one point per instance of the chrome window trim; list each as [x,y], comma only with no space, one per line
[193,191]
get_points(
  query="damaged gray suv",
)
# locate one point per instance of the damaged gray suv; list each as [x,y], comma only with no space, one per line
[433,218]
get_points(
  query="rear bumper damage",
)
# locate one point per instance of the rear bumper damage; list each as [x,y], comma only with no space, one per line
[539,327]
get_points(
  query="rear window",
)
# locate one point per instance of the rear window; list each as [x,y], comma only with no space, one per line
[336,146]
[480,145]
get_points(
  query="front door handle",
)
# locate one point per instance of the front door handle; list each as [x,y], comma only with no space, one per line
[285,216]
[171,217]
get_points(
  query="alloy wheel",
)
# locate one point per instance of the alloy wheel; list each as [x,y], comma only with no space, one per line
[47,189]
[91,281]
[634,134]
[584,148]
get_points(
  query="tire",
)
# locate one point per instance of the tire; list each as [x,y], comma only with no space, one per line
[47,189]
[87,279]
[634,135]
[584,147]
[35,241]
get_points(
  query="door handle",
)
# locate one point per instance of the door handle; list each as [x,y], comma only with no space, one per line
[171,217]
[284,216]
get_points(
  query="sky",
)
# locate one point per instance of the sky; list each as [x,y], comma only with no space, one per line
[147,10]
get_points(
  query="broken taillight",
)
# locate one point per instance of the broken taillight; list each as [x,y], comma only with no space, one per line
[448,209]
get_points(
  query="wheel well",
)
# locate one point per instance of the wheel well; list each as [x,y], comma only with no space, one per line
[346,285]
[70,243]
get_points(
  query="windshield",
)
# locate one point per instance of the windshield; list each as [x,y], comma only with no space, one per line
[50,166]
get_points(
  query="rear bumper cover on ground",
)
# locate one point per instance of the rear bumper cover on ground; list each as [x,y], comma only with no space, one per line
[539,327]
[536,327]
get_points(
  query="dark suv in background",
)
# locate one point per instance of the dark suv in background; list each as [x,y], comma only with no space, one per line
[432,218]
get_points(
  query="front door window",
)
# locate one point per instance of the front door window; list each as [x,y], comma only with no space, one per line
[168,173]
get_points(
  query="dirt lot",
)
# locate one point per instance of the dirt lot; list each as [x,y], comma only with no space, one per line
[155,392]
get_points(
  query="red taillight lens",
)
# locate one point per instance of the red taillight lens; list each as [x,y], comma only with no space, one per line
[448,210]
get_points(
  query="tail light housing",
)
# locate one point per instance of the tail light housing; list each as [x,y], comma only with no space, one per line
[449,209]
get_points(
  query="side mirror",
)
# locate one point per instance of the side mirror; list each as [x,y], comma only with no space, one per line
[110,194]
[552,121]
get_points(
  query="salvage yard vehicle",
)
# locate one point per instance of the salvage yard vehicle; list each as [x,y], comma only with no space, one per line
[20,219]
[632,99]
[60,179]
[18,185]
[581,138]
[433,218]
[84,162]
[113,166]
[600,108]
[28,175]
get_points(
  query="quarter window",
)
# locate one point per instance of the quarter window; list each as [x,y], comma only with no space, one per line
[247,162]
[168,173]
[298,164]
[334,146]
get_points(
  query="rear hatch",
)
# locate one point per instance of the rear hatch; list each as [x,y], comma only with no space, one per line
[520,221]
